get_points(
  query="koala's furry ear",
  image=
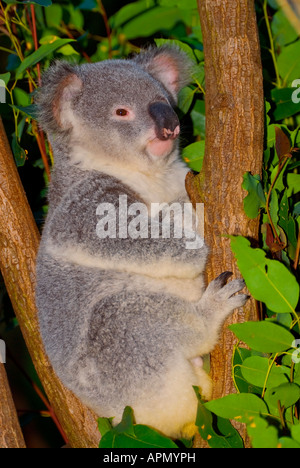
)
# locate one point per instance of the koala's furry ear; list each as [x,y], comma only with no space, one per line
[60,86]
[167,64]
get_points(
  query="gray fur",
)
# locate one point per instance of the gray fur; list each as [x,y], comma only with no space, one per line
[122,319]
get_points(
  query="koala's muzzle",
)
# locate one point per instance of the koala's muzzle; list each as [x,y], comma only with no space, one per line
[166,121]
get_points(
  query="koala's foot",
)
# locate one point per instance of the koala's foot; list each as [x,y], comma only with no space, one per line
[220,297]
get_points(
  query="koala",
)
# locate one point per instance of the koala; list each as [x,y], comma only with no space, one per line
[124,319]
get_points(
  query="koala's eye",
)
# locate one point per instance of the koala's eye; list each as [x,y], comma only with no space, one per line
[122,112]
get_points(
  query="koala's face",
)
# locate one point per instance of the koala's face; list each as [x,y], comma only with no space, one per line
[118,109]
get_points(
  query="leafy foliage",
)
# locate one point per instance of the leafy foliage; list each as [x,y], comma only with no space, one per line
[267,373]
[127,434]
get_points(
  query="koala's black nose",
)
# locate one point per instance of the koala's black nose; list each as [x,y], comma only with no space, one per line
[166,121]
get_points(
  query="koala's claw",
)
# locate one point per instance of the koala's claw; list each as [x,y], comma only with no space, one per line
[223,277]
[220,295]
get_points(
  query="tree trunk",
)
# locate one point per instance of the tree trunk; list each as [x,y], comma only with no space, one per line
[234,145]
[10,432]
[19,241]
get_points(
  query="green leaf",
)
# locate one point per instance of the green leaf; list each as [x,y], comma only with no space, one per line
[283,31]
[184,47]
[5,77]
[183,4]
[227,436]
[151,21]
[241,406]
[185,99]
[266,337]
[242,385]
[268,281]
[130,11]
[67,50]
[293,181]
[295,430]
[30,111]
[44,3]
[287,442]
[271,136]
[287,393]
[126,425]
[257,370]
[198,118]
[129,435]
[40,54]
[87,5]
[76,17]
[255,200]
[285,107]
[54,15]
[262,435]
[104,425]
[193,155]
[288,65]
[18,151]
[21,98]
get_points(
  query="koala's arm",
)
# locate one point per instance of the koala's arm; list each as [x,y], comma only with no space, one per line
[71,231]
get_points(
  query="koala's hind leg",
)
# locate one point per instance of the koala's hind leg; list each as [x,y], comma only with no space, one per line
[173,406]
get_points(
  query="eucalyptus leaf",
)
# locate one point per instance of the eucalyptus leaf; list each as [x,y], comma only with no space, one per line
[43,51]
[54,15]
[5,77]
[295,430]
[185,99]
[44,3]
[287,393]
[266,337]
[268,280]
[18,151]
[242,385]
[255,200]
[130,11]
[150,22]
[262,435]
[258,371]
[129,435]
[285,107]
[287,442]
[87,5]
[283,31]
[104,425]
[225,437]
[293,181]
[173,42]
[288,64]
[198,118]
[193,155]
[183,4]
[240,406]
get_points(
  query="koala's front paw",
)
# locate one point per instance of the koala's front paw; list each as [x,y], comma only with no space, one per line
[220,297]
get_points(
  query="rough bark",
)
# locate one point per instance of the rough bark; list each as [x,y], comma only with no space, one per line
[10,431]
[19,240]
[234,145]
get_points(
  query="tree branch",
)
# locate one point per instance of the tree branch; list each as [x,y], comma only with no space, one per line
[19,241]
[10,432]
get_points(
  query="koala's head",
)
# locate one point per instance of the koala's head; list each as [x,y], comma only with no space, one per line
[116,109]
